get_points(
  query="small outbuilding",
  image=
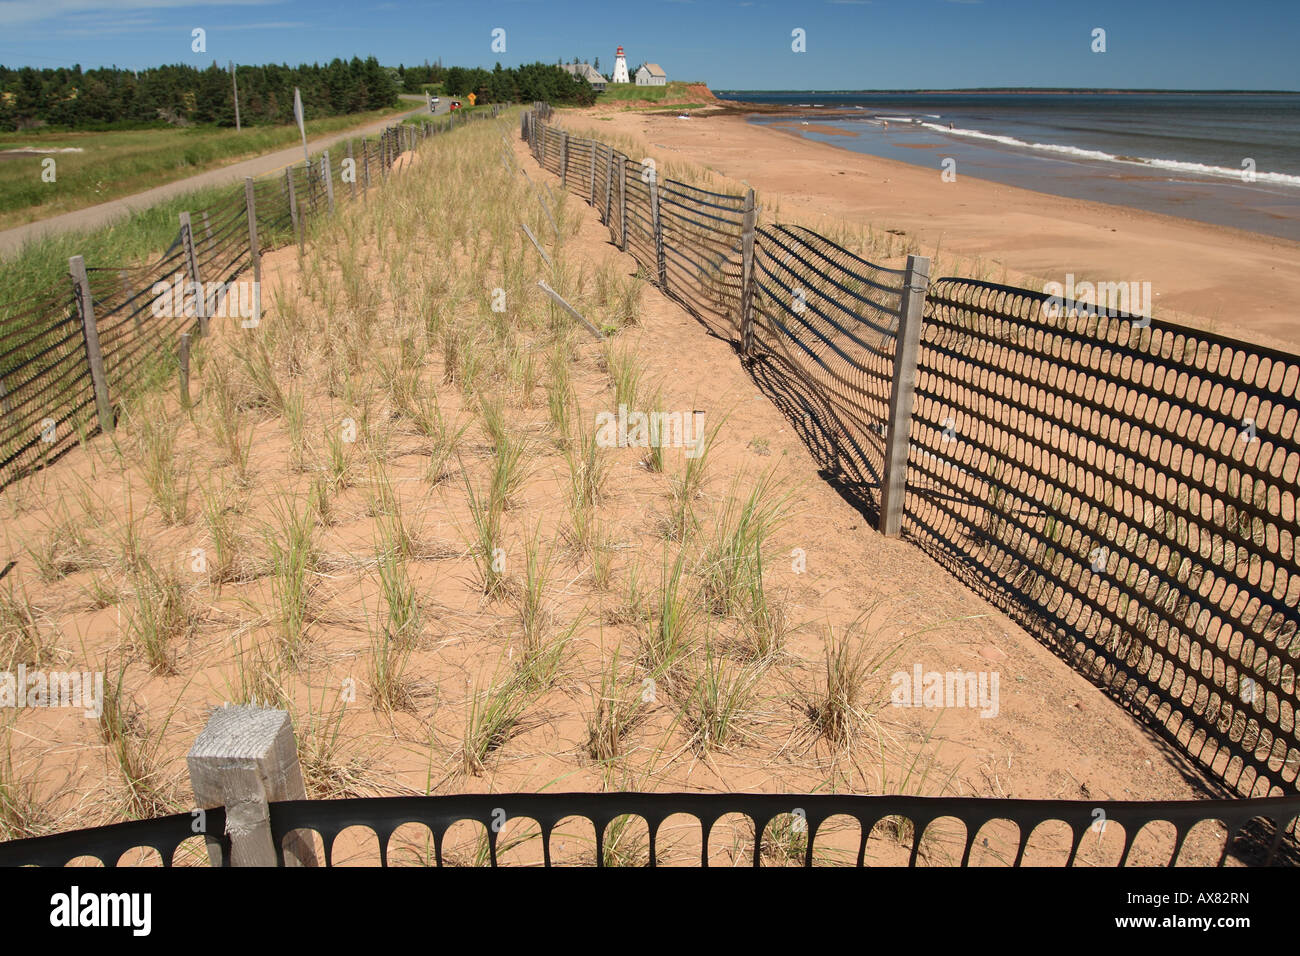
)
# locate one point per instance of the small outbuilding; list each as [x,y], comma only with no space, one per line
[588,73]
[651,74]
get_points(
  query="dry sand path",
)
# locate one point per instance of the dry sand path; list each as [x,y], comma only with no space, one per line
[92,217]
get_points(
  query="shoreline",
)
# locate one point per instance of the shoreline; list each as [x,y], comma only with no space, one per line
[1219,278]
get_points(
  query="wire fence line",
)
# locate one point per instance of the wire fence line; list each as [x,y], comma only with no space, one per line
[1121,485]
[69,354]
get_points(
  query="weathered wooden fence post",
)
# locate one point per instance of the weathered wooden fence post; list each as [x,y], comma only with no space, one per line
[564,160]
[90,336]
[244,759]
[609,182]
[329,180]
[747,275]
[184,356]
[622,202]
[196,282]
[365,163]
[902,390]
[591,155]
[661,269]
[293,207]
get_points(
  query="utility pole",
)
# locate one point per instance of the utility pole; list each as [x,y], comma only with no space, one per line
[235,80]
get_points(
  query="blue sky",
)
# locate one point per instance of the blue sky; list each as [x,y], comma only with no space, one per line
[731,44]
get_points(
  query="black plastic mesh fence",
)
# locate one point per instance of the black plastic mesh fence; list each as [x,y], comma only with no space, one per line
[1126,488]
[656,829]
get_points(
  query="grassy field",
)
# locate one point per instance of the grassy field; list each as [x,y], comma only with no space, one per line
[117,163]
[631,93]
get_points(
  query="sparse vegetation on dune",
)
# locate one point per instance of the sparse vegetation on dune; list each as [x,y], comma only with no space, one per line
[391,512]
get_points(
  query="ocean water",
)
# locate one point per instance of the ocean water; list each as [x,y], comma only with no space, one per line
[1229,159]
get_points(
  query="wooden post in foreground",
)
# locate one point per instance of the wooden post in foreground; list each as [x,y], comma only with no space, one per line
[244,759]
[747,276]
[901,392]
[90,336]
[184,356]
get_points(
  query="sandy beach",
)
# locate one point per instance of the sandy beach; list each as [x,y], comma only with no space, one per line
[1230,281]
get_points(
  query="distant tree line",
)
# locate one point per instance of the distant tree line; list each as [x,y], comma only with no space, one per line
[184,95]
[522,84]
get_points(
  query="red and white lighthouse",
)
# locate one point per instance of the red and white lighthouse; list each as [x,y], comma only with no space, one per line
[620,68]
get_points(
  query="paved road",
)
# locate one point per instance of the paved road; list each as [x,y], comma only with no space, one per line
[92,217]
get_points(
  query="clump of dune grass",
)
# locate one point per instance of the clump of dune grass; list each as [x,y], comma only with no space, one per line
[653,460]
[227,555]
[625,371]
[331,770]
[160,613]
[684,488]
[66,550]
[295,424]
[588,474]
[493,718]
[403,620]
[160,465]
[670,634]
[135,752]
[294,558]
[731,566]
[485,512]
[849,695]
[339,439]
[764,620]
[559,388]
[419,405]
[631,608]
[23,813]
[785,840]
[390,688]
[259,675]
[260,385]
[617,710]
[510,468]
[225,419]
[22,633]
[721,701]
[534,612]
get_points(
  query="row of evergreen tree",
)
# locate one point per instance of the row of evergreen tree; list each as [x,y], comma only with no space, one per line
[184,95]
[523,84]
